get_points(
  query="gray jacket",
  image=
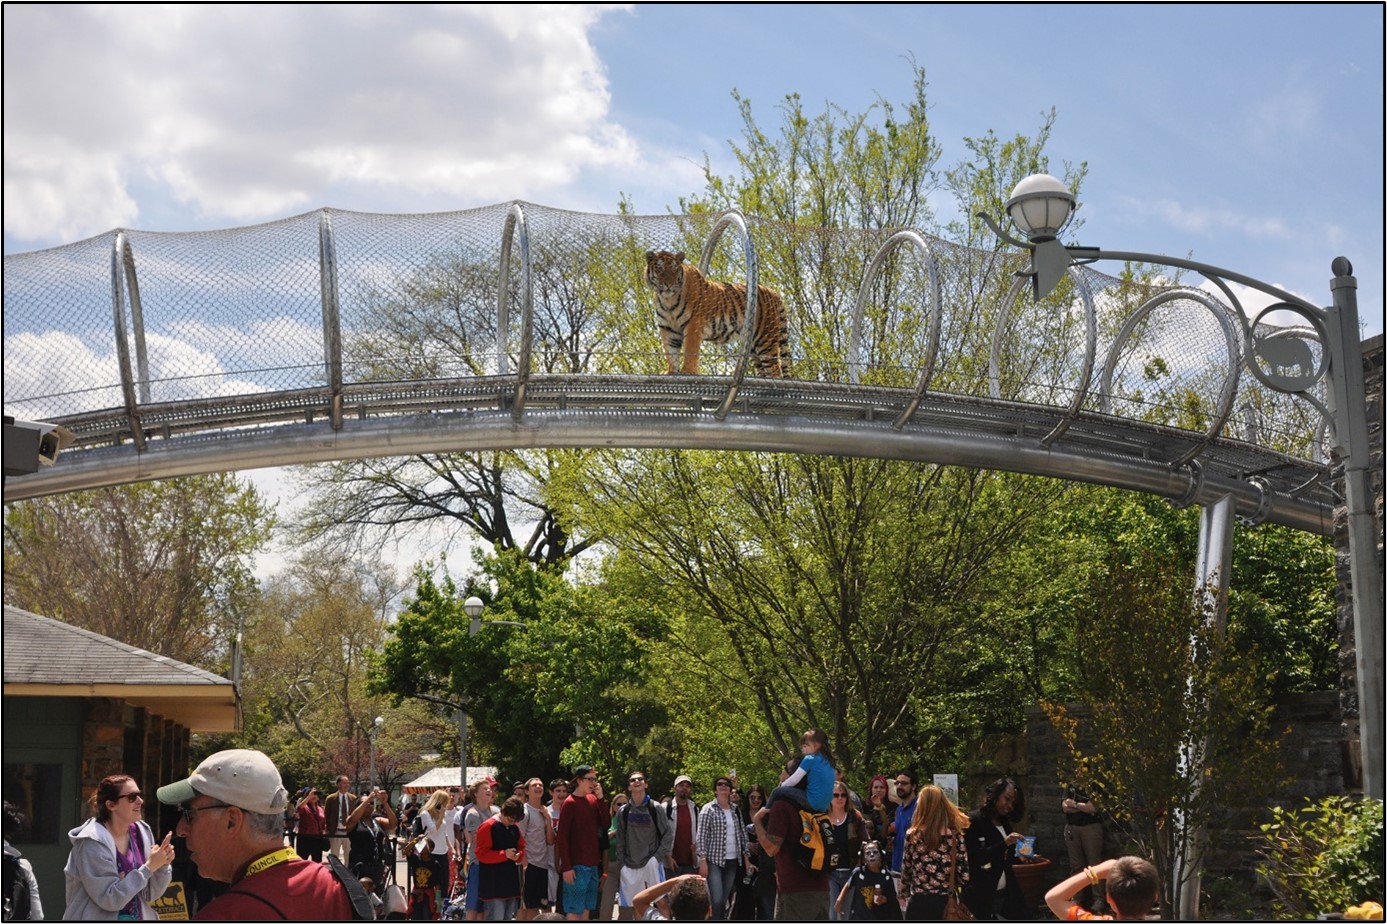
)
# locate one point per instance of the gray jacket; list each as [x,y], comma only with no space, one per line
[642,832]
[95,889]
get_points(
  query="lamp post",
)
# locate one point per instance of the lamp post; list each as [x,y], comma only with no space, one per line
[473,607]
[375,730]
[1040,207]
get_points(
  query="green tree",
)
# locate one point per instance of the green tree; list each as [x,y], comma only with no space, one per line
[1180,712]
[308,647]
[568,681]
[163,566]
[828,591]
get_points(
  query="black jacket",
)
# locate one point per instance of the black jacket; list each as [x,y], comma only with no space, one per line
[988,857]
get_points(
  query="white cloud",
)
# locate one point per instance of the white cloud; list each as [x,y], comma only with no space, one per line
[55,374]
[247,112]
[1207,221]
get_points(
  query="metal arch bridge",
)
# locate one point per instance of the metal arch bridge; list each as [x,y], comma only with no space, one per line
[105,337]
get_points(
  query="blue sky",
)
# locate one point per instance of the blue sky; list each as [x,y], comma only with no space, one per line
[1249,136]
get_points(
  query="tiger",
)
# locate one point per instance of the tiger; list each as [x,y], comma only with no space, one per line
[691,310]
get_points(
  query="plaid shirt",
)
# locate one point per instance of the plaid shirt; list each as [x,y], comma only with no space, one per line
[712,835]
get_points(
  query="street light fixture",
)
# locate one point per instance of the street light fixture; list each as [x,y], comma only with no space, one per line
[473,607]
[1040,208]
[374,731]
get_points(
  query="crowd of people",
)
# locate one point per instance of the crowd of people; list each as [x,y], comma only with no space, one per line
[564,850]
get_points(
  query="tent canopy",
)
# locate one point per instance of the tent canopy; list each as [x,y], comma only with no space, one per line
[446,778]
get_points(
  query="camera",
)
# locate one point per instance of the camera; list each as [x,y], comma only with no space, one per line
[31,443]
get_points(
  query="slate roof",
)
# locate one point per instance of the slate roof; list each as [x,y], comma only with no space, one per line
[43,650]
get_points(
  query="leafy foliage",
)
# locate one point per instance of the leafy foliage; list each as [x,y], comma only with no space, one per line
[572,669]
[1325,856]
[1180,712]
[164,566]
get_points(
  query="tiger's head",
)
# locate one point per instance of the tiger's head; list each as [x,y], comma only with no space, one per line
[664,272]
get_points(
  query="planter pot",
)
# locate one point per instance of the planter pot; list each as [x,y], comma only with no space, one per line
[1030,878]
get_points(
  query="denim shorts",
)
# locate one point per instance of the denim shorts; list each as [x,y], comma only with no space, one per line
[474,890]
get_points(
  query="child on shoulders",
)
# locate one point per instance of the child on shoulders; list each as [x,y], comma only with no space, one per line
[811,785]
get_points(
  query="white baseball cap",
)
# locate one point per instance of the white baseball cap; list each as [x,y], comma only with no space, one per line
[681,778]
[244,778]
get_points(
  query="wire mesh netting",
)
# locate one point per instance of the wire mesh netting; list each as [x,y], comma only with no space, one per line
[414,299]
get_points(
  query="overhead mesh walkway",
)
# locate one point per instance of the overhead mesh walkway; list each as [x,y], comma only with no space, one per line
[135,339]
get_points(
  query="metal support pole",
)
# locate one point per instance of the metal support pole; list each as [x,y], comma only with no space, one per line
[462,746]
[1212,569]
[1347,403]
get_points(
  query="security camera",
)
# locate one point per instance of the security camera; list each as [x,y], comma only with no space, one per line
[31,443]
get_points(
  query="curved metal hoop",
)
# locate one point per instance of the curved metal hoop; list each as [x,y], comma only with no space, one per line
[915,238]
[127,377]
[726,219]
[515,220]
[994,363]
[332,316]
[1264,503]
[1277,382]
[1232,333]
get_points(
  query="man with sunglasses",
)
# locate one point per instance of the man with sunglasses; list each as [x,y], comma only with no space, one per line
[232,807]
[644,838]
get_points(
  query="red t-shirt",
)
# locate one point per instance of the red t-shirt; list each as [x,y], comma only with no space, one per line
[295,890]
[1079,913]
[576,842]
[685,821]
[784,823]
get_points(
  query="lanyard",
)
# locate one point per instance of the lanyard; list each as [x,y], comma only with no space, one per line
[269,860]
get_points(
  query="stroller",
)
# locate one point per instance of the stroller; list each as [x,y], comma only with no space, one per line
[455,908]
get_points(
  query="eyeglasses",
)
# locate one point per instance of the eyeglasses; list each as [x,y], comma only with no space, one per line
[904,783]
[590,779]
[189,812]
[131,797]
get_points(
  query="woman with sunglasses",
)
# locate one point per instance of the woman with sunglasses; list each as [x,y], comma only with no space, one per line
[115,869]
[849,833]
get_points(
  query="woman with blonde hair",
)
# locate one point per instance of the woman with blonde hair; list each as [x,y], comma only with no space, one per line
[936,856]
[436,837]
[116,869]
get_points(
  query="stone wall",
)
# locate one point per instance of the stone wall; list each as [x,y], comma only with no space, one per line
[148,747]
[1314,757]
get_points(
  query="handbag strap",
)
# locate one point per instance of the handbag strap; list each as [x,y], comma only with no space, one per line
[953,860]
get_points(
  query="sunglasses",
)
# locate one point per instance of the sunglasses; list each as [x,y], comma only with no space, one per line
[131,797]
[637,779]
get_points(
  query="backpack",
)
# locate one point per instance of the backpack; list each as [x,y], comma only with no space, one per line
[656,811]
[812,850]
[17,899]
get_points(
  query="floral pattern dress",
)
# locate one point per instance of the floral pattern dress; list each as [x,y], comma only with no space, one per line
[927,871]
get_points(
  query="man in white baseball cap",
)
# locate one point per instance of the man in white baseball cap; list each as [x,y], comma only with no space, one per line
[232,811]
[682,812]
